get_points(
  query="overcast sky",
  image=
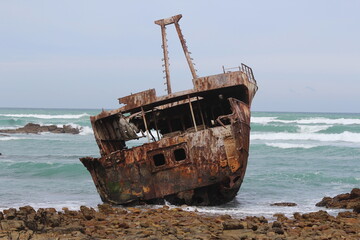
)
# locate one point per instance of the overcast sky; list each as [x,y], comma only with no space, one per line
[85,54]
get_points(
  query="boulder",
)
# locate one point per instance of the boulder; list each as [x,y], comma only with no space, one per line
[347,200]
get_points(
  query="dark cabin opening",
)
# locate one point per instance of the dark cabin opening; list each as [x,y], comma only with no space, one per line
[180,154]
[187,114]
[176,118]
[159,159]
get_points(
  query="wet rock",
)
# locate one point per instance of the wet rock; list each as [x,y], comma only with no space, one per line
[347,214]
[164,223]
[355,193]
[225,217]
[105,208]
[26,210]
[232,224]
[357,208]
[280,217]
[326,201]
[8,225]
[10,213]
[347,200]
[37,128]
[89,213]
[100,216]
[123,225]
[284,204]
[276,225]
[297,216]
[278,230]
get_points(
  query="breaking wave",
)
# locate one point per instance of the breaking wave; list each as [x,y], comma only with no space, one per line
[263,120]
[319,120]
[290,145]
[46,116]
[11,138]
[84,130]
[313,128]
[344,137]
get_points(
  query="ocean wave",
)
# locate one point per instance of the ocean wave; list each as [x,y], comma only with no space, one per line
[313,128]
[319,120]
[45,168]
[84,130]
[339,121]
[291,145]
[10,128]
[263,120]
[46,116]
[11,138]
[334,137]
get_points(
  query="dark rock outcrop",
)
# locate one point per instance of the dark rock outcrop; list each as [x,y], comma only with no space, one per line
[37,128]
[348,201]
[284,204]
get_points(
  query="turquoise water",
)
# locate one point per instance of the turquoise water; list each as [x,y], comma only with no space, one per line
[295,157]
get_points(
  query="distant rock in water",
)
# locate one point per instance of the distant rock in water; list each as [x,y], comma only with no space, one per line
[347,200]
[37,128]
[284,204]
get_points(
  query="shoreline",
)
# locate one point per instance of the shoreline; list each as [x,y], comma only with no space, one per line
[108,222]
[170,223]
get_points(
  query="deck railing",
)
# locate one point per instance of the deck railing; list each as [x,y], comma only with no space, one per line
[245,69]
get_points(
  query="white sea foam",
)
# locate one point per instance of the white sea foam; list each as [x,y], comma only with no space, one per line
[319,120]
[86,131]
[11,138]
[291,145]
[335,137]
[313,128]
[9,128]
[339,121]
[46,116]
[263,120]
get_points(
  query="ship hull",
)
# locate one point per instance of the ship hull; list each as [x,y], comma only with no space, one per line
[204,167]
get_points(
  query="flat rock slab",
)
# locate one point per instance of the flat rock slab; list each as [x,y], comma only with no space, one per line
[284,204]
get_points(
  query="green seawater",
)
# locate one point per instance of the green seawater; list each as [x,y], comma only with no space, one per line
[294,157]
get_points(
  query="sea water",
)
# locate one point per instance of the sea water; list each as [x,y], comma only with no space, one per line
[294,157]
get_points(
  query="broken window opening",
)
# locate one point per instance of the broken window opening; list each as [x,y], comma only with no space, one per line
[179,154]
[159,160]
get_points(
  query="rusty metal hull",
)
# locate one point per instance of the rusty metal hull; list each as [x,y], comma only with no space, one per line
[210,174]
[199,153]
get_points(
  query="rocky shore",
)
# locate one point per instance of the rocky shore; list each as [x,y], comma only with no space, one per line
[37,128]
[347,201]
[170,223]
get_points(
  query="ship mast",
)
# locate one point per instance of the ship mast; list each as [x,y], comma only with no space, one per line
[174,20]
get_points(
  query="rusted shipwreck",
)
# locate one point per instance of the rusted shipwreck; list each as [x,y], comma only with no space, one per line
[195,143]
